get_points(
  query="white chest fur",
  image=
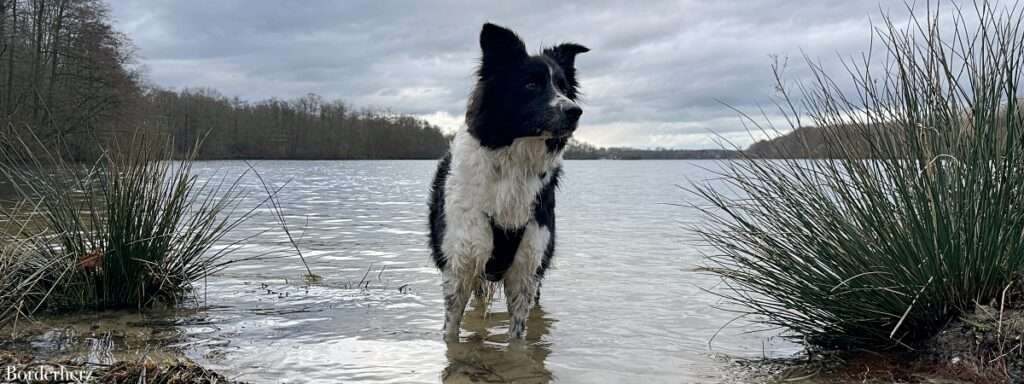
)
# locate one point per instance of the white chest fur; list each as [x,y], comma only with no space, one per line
[502,184]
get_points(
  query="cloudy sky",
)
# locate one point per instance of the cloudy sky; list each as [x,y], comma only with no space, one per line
[657,75]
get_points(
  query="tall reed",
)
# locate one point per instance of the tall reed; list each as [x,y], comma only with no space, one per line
[133,229]
[917,215]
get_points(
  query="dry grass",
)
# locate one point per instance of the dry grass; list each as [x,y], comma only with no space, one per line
[142,370]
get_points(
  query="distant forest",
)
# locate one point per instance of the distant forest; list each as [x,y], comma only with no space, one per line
[578,150]
[304,128]
[808,142]
[860,140]
[69,78]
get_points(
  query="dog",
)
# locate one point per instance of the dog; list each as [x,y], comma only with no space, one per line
[492,202]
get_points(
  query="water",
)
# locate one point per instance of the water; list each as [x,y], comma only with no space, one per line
[622,303]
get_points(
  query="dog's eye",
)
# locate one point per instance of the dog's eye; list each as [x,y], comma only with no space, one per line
[535,81]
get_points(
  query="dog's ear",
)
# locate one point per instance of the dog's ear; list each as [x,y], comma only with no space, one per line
[565,55]
[500,47]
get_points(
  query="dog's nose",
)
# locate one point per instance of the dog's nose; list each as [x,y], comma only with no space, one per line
[573,113]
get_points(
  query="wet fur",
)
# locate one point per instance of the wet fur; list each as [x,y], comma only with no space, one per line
[492,203]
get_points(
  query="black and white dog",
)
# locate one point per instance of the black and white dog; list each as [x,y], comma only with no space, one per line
[492,207]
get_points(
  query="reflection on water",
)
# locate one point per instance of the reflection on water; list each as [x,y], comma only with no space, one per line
[486,356]
[621,305]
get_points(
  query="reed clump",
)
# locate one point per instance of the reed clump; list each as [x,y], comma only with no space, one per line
[916,222]
[134,229]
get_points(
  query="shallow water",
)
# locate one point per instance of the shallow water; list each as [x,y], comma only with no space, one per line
[622,303]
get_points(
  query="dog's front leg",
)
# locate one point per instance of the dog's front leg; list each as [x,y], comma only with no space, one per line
[457,291]
[467,243]
[521,282]
[519,293]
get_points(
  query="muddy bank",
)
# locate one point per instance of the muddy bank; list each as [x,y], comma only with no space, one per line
[984,346]
[19,367]
[103,347]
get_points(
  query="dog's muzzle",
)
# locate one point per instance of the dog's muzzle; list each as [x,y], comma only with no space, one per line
[569,117]
[572,114]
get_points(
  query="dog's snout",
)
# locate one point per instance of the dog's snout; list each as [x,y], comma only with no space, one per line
[573,112]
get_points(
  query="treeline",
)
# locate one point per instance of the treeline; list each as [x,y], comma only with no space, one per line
[815,143]
[578,150]
[305,128]
[840,141]
[67,77]
[875,140]
[65,72]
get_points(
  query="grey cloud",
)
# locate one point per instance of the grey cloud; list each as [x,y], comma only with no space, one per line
[657,75]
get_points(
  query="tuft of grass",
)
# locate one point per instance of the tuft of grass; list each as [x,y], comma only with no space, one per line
[19,269]
[912,223]
[134,229]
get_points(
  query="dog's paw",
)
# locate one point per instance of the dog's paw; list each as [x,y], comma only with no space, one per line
[517,328]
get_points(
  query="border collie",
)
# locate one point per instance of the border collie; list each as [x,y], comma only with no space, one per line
[492,206]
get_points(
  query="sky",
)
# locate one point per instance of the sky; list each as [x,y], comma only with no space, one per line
[660,74]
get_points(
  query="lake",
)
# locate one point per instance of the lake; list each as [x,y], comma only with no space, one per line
[622,304]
